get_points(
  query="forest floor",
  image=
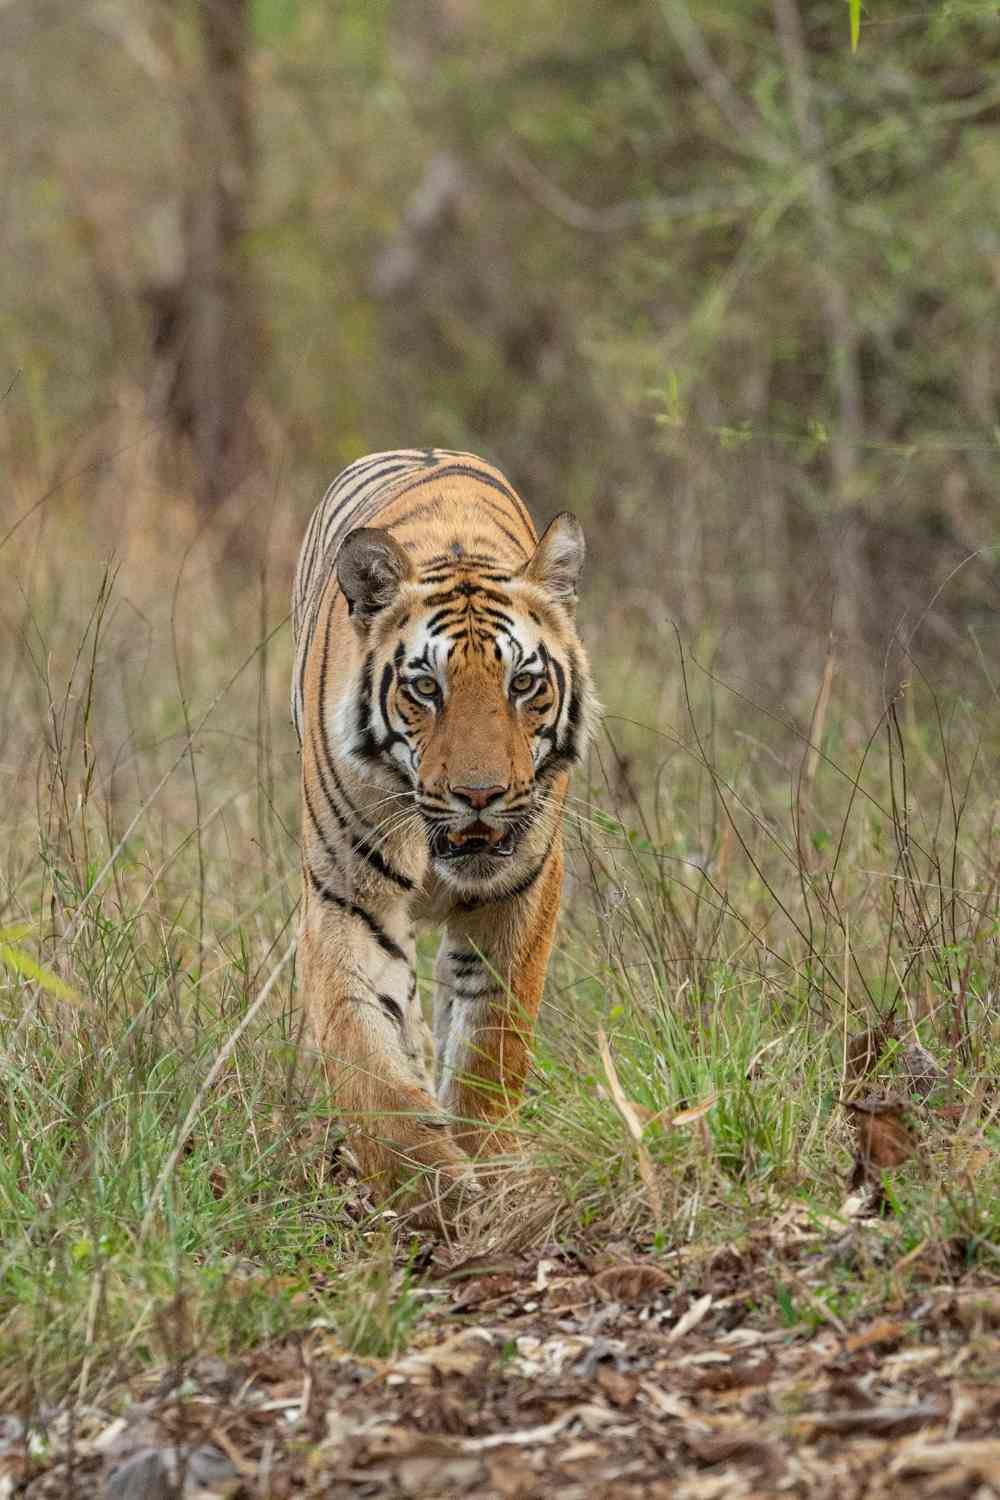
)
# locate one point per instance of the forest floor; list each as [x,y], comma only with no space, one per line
[700,1375]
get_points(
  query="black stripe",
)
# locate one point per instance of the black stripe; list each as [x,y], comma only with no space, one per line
[365,697]
[418,513]
[573,712]
[359,844]
[519,890]
[466,471]
[368,746]
[328,848]
[493,514]
[498,618]
[383,939]
[337,505]
[466,969]
[392,1009]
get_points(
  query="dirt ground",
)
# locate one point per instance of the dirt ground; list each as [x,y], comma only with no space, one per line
[720,1375]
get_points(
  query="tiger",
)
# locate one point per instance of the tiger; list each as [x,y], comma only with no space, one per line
[441,697]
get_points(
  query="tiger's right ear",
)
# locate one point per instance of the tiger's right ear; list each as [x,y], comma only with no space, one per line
[557,561]
[371,568]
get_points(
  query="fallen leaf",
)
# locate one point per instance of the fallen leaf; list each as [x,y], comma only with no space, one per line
[592,1417]
[885,1331]
[871,1419]
[882,1136]
[667,1404]
[690,1319]
[724,1447]
[543,1273]
[459,1355]
[979,1309]
[631,1283]
[621,1390]
[979,1458]
[865,1048]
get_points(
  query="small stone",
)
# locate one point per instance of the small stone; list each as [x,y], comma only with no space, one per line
[147,1475]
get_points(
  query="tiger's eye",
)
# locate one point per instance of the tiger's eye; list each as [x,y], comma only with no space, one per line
[523,682]
[425,686]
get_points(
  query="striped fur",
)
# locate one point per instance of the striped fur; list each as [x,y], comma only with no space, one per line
[441,696]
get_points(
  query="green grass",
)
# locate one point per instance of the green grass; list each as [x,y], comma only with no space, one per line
[171,1181]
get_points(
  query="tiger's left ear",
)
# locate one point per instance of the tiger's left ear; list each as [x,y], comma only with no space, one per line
[557,561]
[371,569]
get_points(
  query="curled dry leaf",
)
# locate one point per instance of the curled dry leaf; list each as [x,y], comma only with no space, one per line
[462,1354]
[882,1136]
[729,1447]
[631,1283]
[695,1112]
[969,1461]
[690,1319]
[635,1126]
[865,1048]
[884,1332]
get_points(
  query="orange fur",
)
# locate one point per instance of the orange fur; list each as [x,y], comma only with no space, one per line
[441,696]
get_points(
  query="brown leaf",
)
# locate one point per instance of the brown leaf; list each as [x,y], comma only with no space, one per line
[865,1048]
[882,1136]
[885,1331]
[631,1283]
[575,1291]
[635,1127]
[695,1112]
[727,1447]
[462,1354]
[979,1309]
[691,1318]
[874,1419]
[968,1460]
[621,1390]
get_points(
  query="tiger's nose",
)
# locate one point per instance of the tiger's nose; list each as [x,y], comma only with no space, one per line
[478,796]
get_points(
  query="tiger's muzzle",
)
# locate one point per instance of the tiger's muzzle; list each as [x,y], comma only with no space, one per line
[476,839]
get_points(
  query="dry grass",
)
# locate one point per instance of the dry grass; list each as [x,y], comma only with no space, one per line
[750,895]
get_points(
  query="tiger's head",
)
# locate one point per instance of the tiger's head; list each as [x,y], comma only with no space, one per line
[474,694]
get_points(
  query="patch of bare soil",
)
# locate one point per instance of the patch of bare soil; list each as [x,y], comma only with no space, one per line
[570,1376]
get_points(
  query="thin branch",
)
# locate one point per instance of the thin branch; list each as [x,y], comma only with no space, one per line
[745,124]
[625,215]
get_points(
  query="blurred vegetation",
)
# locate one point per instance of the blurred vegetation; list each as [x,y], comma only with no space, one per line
[699,271]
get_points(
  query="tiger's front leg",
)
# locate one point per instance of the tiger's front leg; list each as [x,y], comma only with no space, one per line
[490,975]
[360,989]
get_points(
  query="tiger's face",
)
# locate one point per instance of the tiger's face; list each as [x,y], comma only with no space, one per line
[474,693]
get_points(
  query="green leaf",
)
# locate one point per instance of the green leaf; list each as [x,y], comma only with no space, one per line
[855,9]
[14,957]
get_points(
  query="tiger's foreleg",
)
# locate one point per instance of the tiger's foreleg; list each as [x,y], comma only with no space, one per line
[490,976]
[361,997]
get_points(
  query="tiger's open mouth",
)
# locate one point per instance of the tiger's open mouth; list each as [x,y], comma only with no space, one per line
[475,839]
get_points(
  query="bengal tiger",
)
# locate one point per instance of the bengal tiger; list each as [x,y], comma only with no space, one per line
[441,696]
